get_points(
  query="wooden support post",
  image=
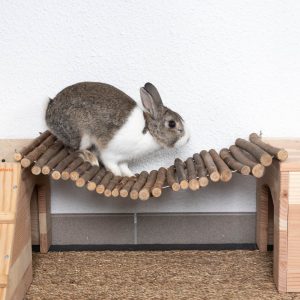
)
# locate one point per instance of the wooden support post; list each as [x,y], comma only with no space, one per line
[44,207]
[17,187]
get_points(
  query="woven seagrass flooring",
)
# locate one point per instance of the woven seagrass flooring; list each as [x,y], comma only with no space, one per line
[239,274]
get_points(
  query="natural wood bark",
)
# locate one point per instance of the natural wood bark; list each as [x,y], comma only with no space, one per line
[56,174]
[179,167]
[74,175]
[104,182]
[263,157]
[92,184]
[192,175]
[210,165]
[46,169]
[141,180]
[171,179]
[37,152]
[65,175]
[201,170]
[250,156]
[224,171]
[19,155]
[257,169]
[125,190]
[160,181]
[114,181]
[279,153]
[234,164]
[116,191]
[144,193]
[86,176]
[51,151]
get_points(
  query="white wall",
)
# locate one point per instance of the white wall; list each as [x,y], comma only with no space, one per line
[229,67]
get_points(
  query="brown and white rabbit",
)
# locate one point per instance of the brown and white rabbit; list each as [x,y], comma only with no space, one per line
[101,118]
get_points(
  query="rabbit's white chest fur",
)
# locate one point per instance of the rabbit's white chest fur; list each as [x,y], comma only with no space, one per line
[130,142]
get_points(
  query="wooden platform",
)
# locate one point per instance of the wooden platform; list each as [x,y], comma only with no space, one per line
[25,218]
[278,215]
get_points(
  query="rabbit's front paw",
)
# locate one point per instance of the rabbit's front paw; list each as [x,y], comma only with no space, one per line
[113,167]
[125,170]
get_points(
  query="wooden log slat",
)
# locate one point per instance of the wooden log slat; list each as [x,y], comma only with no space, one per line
[94,181]
[233,163]
[145,192]
[160,180]
[65,175]
[192,175]
[51,151]
[46,169]
[210,165]
[257,169]
[201,170]
[85,177]
[116,191]
[250,156]
[114,181]
[180,173]
[24,151]
[56,174]
[224,171]
[37,152]
[104,182]
[263,157]
[171,179]
[125,190]
[75,174]
[141,180]
[279,153]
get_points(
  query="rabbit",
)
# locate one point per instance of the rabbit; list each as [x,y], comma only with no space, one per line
[103,123]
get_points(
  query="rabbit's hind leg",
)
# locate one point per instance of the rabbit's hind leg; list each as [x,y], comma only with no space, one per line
[87,150]
[89,156]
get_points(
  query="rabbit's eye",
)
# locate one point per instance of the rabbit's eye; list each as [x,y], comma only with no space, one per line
[172,124]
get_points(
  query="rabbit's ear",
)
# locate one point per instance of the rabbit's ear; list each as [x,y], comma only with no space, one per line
[152,90]
[149,103]
[151,99]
